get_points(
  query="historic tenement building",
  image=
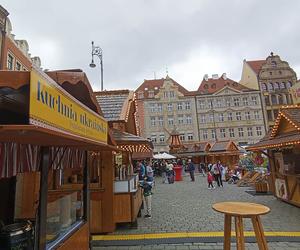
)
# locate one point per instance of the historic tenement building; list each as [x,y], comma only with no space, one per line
[162,105]
[274,78]
[227,110]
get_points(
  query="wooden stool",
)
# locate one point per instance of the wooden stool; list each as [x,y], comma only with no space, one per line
[240,210]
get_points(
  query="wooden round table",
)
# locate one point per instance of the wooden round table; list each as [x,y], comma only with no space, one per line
[240,210]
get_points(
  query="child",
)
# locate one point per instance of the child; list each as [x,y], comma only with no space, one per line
[147,197]
[210,179]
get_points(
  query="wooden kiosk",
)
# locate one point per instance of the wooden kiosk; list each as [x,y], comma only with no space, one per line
[47,131]
[282,146]
[118,107]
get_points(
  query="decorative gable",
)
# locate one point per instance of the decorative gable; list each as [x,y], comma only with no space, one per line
[227,91]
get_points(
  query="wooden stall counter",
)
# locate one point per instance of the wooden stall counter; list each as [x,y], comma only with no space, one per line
[128,200]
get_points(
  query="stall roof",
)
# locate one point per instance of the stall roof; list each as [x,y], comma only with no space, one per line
[130,142]
[30,134]
[220,146]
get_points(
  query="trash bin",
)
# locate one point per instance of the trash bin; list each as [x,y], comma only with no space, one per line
[16,236]
[178,172]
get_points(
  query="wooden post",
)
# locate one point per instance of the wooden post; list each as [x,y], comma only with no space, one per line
[239,232]
[40,241]
[227,232]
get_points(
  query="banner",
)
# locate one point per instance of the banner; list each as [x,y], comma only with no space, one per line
[52,107]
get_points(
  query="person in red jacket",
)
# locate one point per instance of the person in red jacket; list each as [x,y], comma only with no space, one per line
[210,180]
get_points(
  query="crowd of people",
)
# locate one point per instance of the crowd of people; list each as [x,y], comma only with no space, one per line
[147,170]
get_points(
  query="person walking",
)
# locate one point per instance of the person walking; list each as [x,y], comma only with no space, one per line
[210,180]
[147,192]
[149,172]
[217,170]
[142,171]
[191,168]
[163,167]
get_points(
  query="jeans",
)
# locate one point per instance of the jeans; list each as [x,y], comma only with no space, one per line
[192,174]
[218,179]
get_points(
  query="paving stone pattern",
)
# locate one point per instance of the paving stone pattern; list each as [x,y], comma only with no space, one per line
[186,207]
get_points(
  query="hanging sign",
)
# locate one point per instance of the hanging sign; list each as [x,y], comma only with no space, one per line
[54,108]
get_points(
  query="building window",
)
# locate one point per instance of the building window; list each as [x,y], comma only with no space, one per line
[152,121]
[211,117]
[202,119]
[18,66]
[152,107]
[247,115]
[219,104]
[282,85]
[236,102]
[270,115]
[159,107]
[188,119]
[140,95]
[229,116]
[222,132]
[170,107]
[210,104]
[190,136]
[245,101]
[213,134]
[10,62]
[241,132]
[274,99]
[201,104]
[172,95]
[170,121]
[187,105]
[254,100]
[153,138]
[270,86]
[264,87]
[150,93]
[249,131]
[276,86]
[166,94]
[179,106]
[161,138]
[238,116]
[160,121]
[228,103]
[204,133]
[267,100]
[180,119]
[288,85]
[258,131]
[256,115]
[231,132]
[182,137]
[221,117]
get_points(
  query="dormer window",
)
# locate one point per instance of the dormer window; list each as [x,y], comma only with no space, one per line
[274,64]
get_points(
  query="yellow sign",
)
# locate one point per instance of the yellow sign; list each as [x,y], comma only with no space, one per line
[295,92]
[52,107]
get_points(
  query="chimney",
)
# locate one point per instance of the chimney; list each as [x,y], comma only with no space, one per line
[215,76]
[205,77]
[224,76]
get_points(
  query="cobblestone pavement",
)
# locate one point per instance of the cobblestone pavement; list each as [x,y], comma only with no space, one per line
[186,207]
[205,246]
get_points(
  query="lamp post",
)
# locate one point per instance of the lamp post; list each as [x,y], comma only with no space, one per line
[97,51]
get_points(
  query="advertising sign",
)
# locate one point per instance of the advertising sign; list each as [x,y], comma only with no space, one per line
[52,107]
[295,92]
[280,188]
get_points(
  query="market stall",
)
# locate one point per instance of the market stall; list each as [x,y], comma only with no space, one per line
[45,138]
[282,146]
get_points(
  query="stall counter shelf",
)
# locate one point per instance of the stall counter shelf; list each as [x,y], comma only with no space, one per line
[127,200]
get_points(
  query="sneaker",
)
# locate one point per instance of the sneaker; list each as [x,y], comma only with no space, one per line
[147,216]
[214,187]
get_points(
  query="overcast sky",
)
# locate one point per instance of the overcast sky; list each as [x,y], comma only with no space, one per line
[139,37]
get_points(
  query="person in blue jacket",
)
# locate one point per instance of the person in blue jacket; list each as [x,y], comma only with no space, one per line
[191,168]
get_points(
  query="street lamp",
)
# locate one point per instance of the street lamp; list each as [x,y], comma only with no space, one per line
[97,51]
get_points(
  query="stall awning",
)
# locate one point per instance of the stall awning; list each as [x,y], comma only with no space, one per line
[130,142]
[35,135]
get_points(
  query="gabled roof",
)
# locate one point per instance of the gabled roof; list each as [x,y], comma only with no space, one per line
[256,65]
[156,84]
[115,104]
[212,85]
[223,146]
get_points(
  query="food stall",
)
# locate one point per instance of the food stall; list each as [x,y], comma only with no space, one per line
[282,146]
[119,108]
[45,138]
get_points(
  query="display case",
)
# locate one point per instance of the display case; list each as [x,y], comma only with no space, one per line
[129,185]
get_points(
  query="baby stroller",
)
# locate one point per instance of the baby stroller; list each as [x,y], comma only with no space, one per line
[171,176]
